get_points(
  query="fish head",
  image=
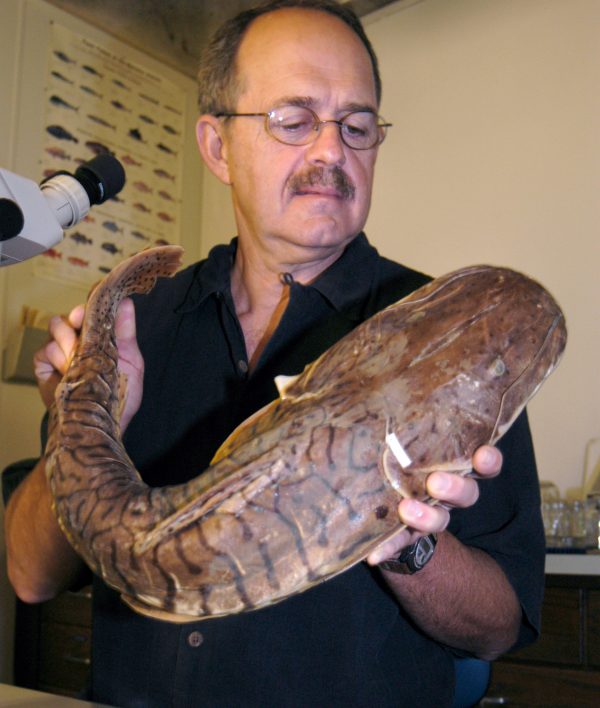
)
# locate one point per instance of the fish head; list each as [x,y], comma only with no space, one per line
[476,345]
[524,342]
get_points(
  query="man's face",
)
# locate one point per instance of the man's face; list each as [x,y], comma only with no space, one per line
[314,196]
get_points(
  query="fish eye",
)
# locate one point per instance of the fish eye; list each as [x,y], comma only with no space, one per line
[498,368]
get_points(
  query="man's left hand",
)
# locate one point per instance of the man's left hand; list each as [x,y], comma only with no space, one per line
[451,490]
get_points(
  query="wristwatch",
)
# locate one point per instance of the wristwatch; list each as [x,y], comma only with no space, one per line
[412,558]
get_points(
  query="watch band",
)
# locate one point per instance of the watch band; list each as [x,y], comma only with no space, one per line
[412,558]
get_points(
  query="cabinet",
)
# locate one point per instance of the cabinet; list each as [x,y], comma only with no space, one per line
[563,667]
[52,648]
[52,644]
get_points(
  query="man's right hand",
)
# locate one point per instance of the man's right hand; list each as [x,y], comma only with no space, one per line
[52,361]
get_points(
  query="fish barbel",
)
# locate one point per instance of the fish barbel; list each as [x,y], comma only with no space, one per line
[309,485]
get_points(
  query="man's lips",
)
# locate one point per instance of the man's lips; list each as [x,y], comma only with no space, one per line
[318,192]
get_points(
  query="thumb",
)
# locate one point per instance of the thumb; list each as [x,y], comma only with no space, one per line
[125,321]
[131,363]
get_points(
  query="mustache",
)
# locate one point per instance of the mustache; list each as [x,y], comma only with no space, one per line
[324,177]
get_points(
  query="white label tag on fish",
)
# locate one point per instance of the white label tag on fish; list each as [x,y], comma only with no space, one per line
[398,451]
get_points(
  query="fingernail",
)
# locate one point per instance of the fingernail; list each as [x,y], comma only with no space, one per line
[413,509]
[375,558]
[487,456]
[439,484]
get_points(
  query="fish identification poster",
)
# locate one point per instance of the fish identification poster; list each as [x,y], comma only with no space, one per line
[97,100]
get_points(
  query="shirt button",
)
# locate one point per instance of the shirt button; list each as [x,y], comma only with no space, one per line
[243,366]
[195,639]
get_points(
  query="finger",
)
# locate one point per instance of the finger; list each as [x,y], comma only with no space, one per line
[43,368]
[452,489]
[75,318]
[56,357]
[390,547]
[63,336]
[46,372]
[487,461]
[423,517]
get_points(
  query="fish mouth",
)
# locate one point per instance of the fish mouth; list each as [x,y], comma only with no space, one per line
[321,182]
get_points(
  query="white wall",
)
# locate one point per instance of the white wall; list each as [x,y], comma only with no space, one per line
[9,60]
[24,38]
[495,157]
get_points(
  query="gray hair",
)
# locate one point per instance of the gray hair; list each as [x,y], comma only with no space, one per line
[218,80]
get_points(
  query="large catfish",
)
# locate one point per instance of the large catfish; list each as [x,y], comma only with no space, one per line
[309,485]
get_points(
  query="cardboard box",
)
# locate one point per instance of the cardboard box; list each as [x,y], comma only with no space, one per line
[23,342]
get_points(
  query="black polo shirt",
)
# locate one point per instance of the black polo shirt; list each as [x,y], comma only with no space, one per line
[345,642]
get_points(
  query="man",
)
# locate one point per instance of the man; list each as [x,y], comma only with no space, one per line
[289,99]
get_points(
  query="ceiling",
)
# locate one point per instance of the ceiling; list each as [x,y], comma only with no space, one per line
[172,31]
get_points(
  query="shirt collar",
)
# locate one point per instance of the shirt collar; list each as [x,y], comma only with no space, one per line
[345,284]
[209,277]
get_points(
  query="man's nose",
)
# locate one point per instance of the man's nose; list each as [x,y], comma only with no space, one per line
[327,147]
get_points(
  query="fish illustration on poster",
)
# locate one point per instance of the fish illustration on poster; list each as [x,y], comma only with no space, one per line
[98,100]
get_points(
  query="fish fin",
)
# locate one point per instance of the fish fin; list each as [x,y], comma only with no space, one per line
[242,434]
[222,489]
[284,382]
[156,613]
[216,492]
[245,431]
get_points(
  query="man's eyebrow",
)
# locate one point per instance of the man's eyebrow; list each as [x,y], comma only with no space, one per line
[299,101]
[309,102]
[360,108]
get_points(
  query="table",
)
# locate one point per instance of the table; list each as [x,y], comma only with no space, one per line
[16,697]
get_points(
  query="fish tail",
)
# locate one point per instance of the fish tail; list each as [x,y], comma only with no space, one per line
[136,275]
[86,463]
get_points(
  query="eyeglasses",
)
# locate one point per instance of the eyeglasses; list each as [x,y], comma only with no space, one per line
[298,125]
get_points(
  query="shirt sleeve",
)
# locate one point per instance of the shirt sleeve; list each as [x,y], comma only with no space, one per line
[506,523]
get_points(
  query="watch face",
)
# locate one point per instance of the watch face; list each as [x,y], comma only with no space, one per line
[422,551]
[412,558]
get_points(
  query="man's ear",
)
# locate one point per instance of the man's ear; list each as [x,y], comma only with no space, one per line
[212,147]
